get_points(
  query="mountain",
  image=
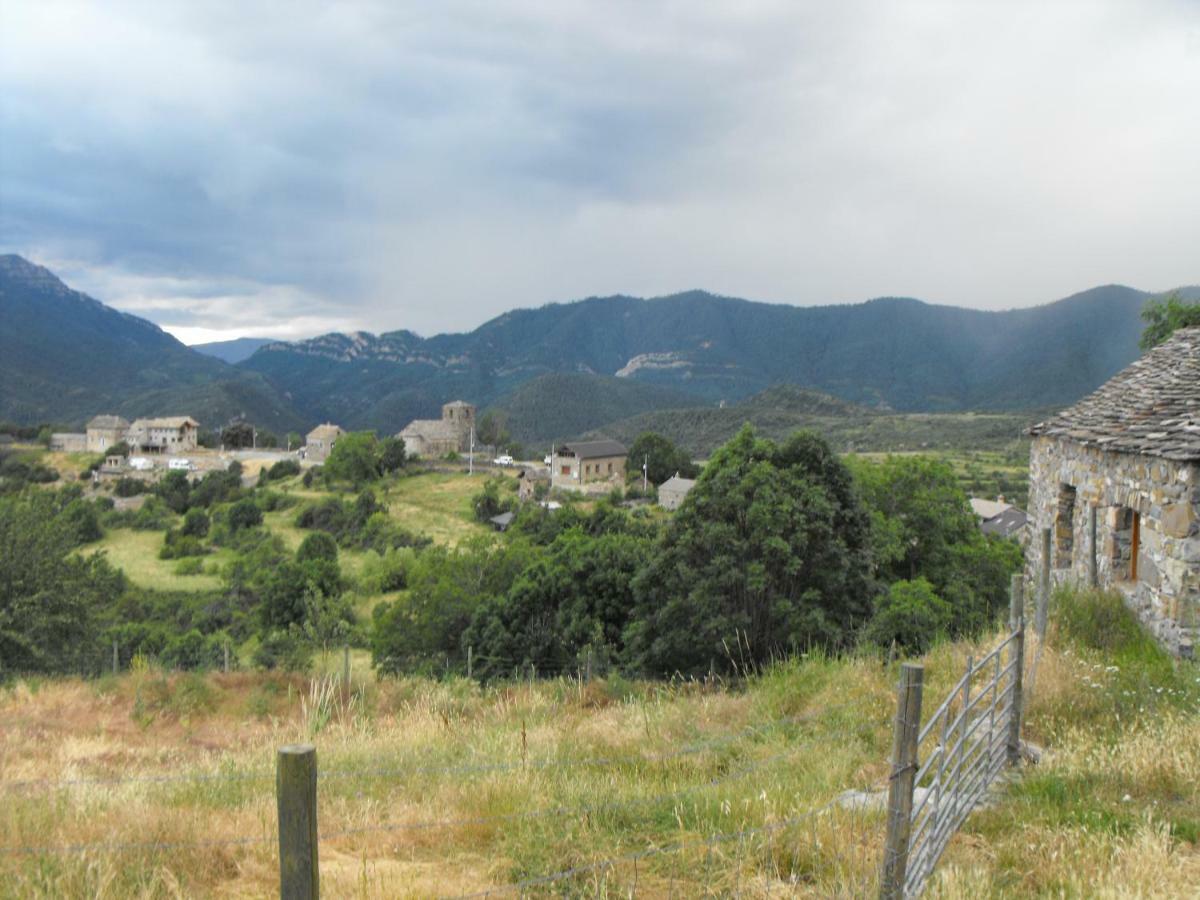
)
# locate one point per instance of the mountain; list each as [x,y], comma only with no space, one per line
[781,410]
[891,353]
[65,357]
[233,351]
[555,407]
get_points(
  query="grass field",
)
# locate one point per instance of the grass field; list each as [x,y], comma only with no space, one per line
[435,789]
[136,554]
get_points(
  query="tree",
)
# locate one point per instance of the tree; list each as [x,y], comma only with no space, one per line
[662,458]
[317,545]
[244,514]
[237,435]
[355,458]
[49,595]
[1163,317]
[175,490]
[910,614]
[196,523]
[392,454]
[772,552]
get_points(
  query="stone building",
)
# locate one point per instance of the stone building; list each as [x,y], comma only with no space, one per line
[589,462]
[438,437]
[104,432]
[1131,450]
[318,443]
[172,434]
[68,442]
[528,480]
[672,492]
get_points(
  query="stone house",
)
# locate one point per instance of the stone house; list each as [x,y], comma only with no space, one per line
[588,462]
[318,443]
[528,481]
[68,442]
[672,491]
[172,434]
[104,432]
[431,438]
[1130,452]
[996,517]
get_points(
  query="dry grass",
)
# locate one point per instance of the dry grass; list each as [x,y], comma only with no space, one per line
[1113,809]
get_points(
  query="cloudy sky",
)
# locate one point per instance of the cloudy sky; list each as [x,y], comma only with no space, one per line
[284,169]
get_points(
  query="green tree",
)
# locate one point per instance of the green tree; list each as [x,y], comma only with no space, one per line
[910,614]
[244,514]
[1163,317]
[49,595]
[392,455]
[772,552]
[661,457]
[175,491]
[317,545]
[237,435]
[196,523]
[355,458]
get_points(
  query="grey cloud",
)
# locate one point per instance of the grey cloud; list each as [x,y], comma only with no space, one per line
[374,165]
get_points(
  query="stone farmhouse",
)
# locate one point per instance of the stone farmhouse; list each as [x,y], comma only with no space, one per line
[1000,518]
[672,491]
[173,434]
[439,437]
[1129,456]
[104,432]
[318,443]
[588,462]
[68,442]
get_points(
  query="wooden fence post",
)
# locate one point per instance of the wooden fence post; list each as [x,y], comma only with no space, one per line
[116,658]
[227,657]
[903,778]
[346,667]
[1093,573]
[1016,601]
[1043,600]
[589,662]
[296,795]
[470,660]
[1016,615]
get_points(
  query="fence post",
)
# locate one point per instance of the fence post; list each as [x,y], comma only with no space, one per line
[116,658]
[296,795]
[227,657]
[589,663]
[346,667]
[1093,574]
[1017,616]
[1043,600]
[903,777]
[1016,601]
[470,659]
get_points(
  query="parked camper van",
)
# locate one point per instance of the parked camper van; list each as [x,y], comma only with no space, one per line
[140,464]
[180,465]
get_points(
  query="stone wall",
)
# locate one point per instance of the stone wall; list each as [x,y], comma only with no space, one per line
[1166,497]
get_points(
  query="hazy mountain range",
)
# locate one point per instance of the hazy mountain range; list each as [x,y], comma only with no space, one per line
[562,369]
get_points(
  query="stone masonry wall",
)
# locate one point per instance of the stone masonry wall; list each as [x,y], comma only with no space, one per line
[1166,495]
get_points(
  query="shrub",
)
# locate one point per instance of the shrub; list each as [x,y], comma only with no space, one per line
[285,468]
[285,650]
[191,565]
[910,614]
[129,487]
[244,514]
[318,545]
[196,523]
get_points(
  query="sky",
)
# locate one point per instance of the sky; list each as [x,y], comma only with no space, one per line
[287,169]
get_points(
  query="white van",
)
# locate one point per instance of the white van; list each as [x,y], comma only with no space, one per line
[140,463]
[179,465]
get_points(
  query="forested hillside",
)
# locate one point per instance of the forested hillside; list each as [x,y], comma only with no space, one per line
[65,357]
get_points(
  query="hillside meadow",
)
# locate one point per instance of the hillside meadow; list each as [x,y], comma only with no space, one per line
[153,784]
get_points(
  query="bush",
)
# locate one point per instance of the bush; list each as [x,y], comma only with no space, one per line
[285,650]
[196,523]
[129,487]
[244,514]
[318,545]
[191,565]
[910,614]
[285,468]
[177,545]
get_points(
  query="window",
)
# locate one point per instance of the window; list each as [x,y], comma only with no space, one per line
[610,468]
[1126,542]
[1064,527]
[566,470]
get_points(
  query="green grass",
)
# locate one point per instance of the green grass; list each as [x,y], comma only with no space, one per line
[136,554]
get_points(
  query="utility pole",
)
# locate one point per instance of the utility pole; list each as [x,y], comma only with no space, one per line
[645,473]
[471,453]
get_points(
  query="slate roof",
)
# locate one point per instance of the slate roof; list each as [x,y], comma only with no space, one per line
[675,483]
[107,422]
[164,422]
[1152,407]
[1005,524]
[594,449]
[327,430]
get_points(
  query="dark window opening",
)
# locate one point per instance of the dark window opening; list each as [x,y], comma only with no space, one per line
[1126,542]
[1064,526]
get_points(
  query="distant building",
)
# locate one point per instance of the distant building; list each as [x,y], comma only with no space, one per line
[589,462]
[68,442]
[318,443]
[502,521]
[528,480]
[1131,452]
[172,434]
[104,432]
[999,518]
[438,437]
[672,491]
